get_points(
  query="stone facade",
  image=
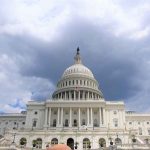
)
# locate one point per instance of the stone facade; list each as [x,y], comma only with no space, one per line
[79,116]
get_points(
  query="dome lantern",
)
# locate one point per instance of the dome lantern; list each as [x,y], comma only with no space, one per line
[77,58]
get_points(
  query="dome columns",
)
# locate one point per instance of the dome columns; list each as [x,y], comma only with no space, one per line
[77,95]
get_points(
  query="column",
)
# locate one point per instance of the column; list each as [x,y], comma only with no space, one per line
[88,116]
[79,95]
[100,116]
[88,95]
[61,95]
[49,117]
[65,95]
[79,117]
[74,95]
[70,123]
[92,95]
[62,114]
[46,111]
[103,116]
[92,117]
[70,95]
[58,112]
[83,95]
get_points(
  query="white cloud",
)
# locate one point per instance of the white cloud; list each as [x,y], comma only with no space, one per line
[14,86]
[45,19]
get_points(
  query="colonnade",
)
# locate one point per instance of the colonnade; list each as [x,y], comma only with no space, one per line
[60,117]
[77,95]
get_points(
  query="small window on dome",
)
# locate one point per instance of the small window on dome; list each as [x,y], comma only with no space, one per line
[73,82]
[66,83]
[69,82]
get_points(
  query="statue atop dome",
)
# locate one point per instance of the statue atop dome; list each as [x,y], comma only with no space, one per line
[77,58]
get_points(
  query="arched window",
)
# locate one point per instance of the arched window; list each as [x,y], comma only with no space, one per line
[23,141]
[39,143]
[102,142]
[118,141]
[86,144]
[54,141]
[54,123]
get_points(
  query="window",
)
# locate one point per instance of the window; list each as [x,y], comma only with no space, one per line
[75,123]
[148,131]
[75,112]
[69,82]
[66,123]
[139,123]
[95,112]
[115,112]
[35,112]
[80,82]
[76,81]
[130,123]
[115,122]
[15,123]
[95,123]
[54,141]
[66,112]
[55,112]
[86,144]
[147,122]
[54,123]
[140,131]
[83,112]
[6,123]
[34,123]
[83,122]
[23,123]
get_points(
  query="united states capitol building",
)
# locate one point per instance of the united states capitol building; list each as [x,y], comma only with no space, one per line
[77,115]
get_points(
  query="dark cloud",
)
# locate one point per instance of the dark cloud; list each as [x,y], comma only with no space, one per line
[111,59]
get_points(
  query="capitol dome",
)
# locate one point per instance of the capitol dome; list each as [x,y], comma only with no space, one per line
[78,69]
[77,82]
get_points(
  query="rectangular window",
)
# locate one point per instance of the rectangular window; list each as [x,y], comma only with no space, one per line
[130,123]
[148,131]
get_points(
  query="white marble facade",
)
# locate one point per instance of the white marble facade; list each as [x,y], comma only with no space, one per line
[78,115]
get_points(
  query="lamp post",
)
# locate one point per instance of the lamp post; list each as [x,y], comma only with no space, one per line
[14,138]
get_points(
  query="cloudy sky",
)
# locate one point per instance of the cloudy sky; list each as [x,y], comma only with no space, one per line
[38,40]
